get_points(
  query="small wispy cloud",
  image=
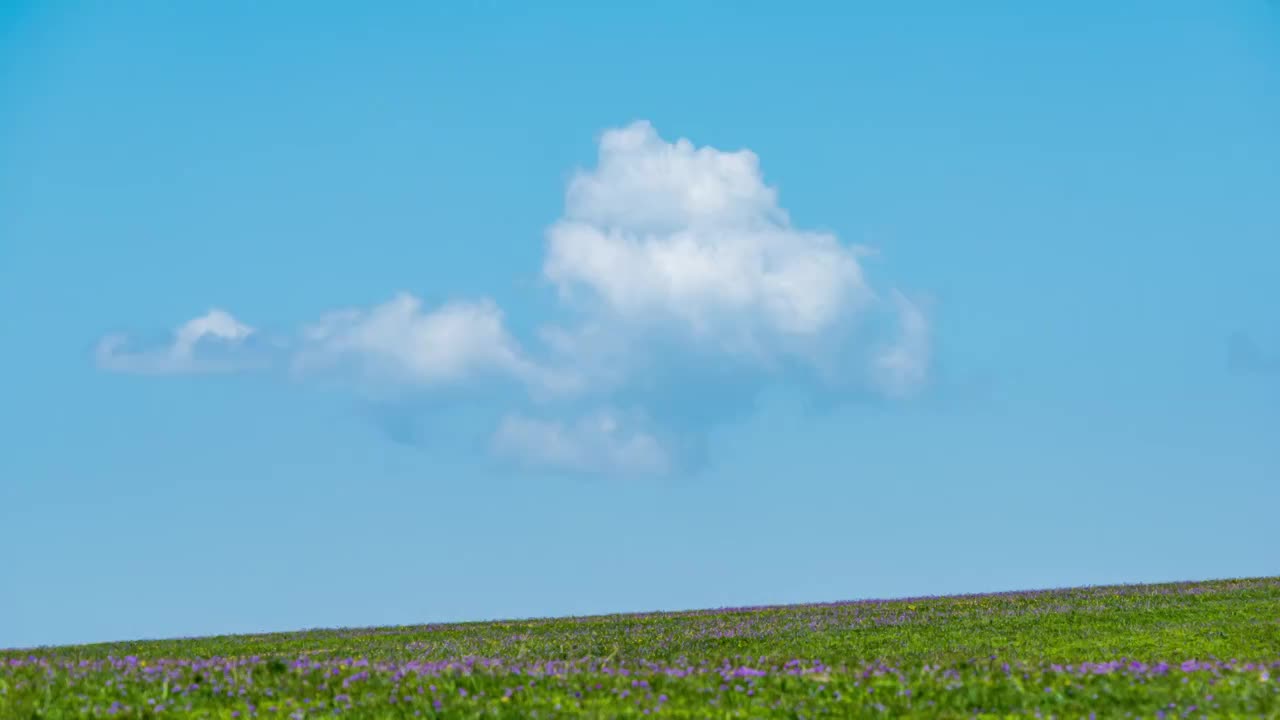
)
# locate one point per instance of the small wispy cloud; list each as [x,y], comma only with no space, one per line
[901,368]
[401,342]
[211,343]
[596,443]
[673,263]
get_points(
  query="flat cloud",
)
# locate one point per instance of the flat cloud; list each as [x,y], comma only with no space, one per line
[206,344]
[664,250]
[595,443]
[400,342]
[901,368]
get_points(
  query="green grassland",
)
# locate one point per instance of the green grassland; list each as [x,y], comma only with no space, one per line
[1209,649]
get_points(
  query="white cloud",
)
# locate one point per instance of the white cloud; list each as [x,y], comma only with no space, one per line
[667,232]
[901,368]
[666,255]
[400,341]
[202,345]
[596,443]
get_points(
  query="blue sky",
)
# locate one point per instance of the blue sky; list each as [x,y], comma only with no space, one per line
[324,316]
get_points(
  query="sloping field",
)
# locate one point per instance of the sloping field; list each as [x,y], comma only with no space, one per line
[1208,649]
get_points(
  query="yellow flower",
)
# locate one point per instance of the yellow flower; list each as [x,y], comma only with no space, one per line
[506,699]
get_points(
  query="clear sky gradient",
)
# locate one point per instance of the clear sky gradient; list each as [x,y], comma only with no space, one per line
[932,298]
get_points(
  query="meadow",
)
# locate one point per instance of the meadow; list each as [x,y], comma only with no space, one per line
[1178,650]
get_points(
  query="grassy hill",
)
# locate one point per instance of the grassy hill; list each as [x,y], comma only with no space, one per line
[1207,649]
